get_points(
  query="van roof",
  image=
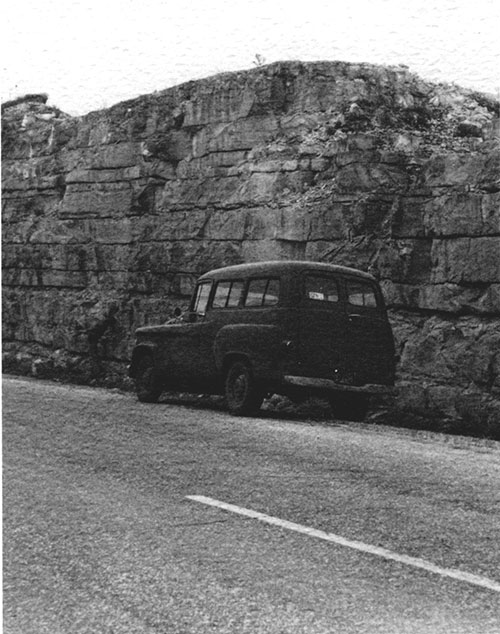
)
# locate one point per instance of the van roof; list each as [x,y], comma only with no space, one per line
[277,267]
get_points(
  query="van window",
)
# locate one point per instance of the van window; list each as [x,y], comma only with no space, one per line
[321,288]
[262,292]
[272,293]
[221,294]
[235,294]
[361,293]
[227,294]
[201,298]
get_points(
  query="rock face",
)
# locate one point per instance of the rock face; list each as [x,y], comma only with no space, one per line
[108,218]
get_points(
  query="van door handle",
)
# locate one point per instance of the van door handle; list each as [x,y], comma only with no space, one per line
[354,316]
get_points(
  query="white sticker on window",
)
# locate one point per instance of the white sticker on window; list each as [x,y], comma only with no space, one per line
[316,295]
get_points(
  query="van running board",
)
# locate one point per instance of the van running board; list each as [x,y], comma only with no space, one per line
[327,384]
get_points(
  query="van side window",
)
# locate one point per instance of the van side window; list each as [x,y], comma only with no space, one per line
[321,288]
[227,294]
[272,293]
[201,298]
[262,292]
[361,293]
[221,294]
[235,294]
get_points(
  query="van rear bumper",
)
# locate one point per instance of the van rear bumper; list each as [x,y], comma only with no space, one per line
[328,385]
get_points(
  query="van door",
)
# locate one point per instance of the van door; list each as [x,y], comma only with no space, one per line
[369,345]
[188,346]
[322,326]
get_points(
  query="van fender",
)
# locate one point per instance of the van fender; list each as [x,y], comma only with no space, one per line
[138,352]
[258,343]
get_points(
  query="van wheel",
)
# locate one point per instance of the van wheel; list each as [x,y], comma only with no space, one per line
[147,384]
[349,406]
[242,396]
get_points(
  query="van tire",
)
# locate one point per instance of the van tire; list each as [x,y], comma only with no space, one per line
[242,395]
[147,384]
[349,406]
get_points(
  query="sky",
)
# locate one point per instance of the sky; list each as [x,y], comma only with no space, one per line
[91,54]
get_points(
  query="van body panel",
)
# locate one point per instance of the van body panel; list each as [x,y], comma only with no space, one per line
[181,351]
[259,343]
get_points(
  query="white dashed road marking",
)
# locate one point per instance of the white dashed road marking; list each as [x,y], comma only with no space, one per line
[458,575]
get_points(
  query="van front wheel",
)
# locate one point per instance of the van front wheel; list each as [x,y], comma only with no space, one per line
[242,395]
[349,406]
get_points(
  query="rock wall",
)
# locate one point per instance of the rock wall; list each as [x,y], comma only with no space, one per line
[108,218]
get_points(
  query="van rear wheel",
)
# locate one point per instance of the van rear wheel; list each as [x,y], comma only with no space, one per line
[242,395]
[349,406]
[147,384]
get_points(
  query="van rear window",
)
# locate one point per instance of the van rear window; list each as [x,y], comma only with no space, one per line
[321,288]
[361,293]
[263,292]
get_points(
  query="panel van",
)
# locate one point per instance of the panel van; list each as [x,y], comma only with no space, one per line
[295,328]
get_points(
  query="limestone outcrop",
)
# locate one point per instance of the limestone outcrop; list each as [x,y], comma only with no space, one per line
[109,217]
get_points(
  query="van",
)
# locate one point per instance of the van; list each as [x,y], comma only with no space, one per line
[295,328]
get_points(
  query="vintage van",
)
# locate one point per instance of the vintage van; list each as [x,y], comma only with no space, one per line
[296,328]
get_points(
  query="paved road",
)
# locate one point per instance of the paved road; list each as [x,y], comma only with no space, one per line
[100,536]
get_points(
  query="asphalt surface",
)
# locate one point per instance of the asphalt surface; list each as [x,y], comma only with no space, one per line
[100,536]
